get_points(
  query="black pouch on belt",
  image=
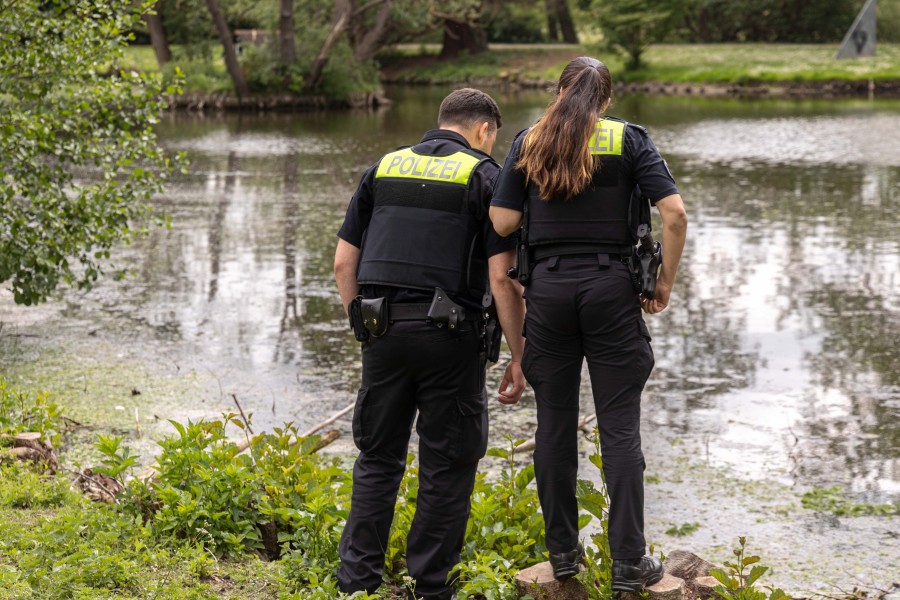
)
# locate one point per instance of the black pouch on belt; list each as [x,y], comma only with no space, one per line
[356,321]
[374,315]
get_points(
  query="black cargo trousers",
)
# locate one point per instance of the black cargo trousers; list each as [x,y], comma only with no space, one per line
[415,366]
[585,307]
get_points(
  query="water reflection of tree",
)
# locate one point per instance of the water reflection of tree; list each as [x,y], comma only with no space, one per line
[217,222]
[838,276]
[315,337]
[285,352]
[698,347]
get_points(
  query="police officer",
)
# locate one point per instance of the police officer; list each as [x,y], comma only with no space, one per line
[412,265]
[572,176]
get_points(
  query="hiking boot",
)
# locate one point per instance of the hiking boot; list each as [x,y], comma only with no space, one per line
[635,575]
[567,564]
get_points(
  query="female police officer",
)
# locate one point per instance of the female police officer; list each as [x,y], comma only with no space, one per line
[572,175]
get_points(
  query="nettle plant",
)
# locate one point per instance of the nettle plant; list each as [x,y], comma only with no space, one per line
[598,575]
[737,583]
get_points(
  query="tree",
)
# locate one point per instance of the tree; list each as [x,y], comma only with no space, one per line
[340,18]
[227,39]
[286,40]
[78,155]
[157,32]
[559,18]
[464,22]
[632,25]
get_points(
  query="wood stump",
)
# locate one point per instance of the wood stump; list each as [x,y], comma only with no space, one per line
[539,583]
[98,487]
[703,587]
[668,588]
[695,572]
[28,446]
[687,565]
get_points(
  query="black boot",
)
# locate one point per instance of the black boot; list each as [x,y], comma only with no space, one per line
[567,564]
[633,576]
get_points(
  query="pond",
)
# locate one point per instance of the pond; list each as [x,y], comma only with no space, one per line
[777,362]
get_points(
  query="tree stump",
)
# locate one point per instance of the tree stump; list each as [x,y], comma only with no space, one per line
[539,583]
[668,588]
[704,587]
[687,565]
[28,446]
[98,487]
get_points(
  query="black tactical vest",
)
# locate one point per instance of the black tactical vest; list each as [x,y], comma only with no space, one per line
[422,234]
[601,216]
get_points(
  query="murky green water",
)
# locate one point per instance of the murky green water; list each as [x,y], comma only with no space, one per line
[777,363]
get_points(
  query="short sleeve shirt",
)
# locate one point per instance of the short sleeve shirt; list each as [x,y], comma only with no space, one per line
[639,157]
[481,189]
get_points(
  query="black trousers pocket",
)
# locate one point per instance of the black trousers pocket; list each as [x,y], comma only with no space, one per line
[362,434]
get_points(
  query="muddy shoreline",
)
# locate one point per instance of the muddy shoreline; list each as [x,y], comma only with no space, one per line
[795,90]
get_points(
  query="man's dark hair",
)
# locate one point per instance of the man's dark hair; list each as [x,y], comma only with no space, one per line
[467,108]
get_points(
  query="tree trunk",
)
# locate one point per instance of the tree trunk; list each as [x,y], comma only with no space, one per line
[552,22]
[564,16]
[287,43]
[370,42]
[459,37]
[340,19]
[158,35]
[231,61]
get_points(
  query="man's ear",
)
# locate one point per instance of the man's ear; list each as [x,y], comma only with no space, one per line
[482,132]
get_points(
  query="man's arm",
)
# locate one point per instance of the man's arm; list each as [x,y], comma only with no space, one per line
[511,313]
[674,220]
[346,258]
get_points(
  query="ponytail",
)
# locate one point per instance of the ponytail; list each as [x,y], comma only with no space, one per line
[556,154]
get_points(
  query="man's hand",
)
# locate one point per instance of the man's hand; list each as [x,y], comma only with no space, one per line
[515,378]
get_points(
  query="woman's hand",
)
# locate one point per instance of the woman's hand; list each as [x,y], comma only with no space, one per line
[660,299]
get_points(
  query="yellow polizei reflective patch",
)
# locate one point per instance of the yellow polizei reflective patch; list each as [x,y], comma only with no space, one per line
[455,168]
[607,137]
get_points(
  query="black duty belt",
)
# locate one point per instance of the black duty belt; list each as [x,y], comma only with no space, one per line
[418,311]
[543,251]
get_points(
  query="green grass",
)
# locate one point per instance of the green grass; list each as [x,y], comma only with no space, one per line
[731,63]
[676,63]
[684,63]
[203,74]
[140,57]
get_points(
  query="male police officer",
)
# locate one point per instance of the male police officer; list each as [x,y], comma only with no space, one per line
[412,266]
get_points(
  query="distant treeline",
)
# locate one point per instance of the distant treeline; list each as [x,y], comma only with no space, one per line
[331,47]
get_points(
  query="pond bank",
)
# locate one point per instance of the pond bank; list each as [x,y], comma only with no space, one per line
[796,90]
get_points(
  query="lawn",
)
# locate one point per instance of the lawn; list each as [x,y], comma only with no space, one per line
[682,63]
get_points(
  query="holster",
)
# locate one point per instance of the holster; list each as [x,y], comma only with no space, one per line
[650,262]
[356,320]
[644,263]
[522,270]
[492,333]
[444,311]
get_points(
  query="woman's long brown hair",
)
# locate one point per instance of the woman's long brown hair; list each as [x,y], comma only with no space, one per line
[556,156]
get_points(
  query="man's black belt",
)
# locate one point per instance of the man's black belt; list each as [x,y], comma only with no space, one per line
[542,251]
[418,311]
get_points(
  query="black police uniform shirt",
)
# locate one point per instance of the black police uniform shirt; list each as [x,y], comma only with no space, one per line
[481,187]
[640,158]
